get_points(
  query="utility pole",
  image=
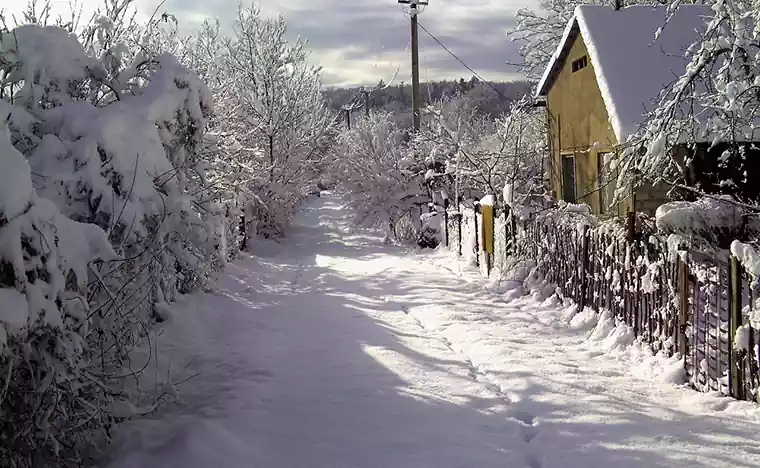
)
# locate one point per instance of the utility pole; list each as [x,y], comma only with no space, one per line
[413,12]
[415,71]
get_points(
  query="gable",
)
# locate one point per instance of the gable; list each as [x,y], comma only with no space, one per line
[576,103]
[559,58]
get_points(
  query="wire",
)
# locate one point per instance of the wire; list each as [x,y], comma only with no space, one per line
[476,74]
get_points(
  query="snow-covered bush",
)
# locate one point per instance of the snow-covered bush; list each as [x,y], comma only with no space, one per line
[50,396]
[481,155]
[113,131]
[749,257]
[712,220]
[458,154]
[382,177]
[431,232]
[569,215]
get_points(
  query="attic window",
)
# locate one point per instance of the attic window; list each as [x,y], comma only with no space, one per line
[580,63]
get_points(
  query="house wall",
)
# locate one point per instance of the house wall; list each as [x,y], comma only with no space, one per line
[579,124]
[649,197]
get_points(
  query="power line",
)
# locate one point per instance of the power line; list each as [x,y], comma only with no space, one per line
[476,74]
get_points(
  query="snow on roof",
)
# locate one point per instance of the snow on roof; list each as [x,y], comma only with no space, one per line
[631,66]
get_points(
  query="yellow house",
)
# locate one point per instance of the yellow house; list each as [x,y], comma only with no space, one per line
[598,86]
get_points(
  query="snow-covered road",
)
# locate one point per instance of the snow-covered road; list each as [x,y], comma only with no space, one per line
[333,350]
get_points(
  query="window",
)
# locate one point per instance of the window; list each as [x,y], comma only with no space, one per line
[580,63]
[606,182]
[568,178]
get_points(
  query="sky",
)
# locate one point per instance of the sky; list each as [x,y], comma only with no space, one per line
[361,42]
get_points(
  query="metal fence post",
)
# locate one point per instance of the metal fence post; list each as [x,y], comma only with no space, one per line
[508,244]
[446,226]
[492,253]
[487,231]
[242,228]
[683,306]
[459,230]
[477,238]
[735,321]
[585,273]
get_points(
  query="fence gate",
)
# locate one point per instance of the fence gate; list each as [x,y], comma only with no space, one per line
[709,353]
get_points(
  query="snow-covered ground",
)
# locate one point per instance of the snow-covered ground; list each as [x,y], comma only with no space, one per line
[333,350]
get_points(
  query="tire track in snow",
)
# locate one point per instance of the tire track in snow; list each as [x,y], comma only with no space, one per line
[526,420]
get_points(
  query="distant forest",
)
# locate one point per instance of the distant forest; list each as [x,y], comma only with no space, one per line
[398,98]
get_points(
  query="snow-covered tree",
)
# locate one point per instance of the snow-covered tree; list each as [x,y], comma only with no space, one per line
[390,176]
[383,179]
[482,155]
[699,137]
[539,33]
[278,99]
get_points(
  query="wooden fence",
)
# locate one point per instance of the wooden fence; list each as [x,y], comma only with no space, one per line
[686,302]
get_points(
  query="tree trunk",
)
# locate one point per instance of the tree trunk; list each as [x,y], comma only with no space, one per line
[271,158]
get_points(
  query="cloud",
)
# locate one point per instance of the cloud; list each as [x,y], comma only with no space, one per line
[363,41]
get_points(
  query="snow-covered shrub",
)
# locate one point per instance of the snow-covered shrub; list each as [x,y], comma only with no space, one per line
[49,396]
[749,257]
[481,155]
[708,220]
[431,233]
[383,179]
[569,215]
[114,136]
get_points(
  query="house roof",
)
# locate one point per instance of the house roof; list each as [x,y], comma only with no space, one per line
[631,66]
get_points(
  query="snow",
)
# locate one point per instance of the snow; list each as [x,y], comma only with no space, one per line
[14,312]
[747,256]
[580,208]
[15,191]
[508,194]
[702,217]
[742,338]
[488,200]
[334,350]
[48,57]
[630,65]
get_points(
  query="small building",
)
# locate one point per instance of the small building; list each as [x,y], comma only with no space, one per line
[601,81]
